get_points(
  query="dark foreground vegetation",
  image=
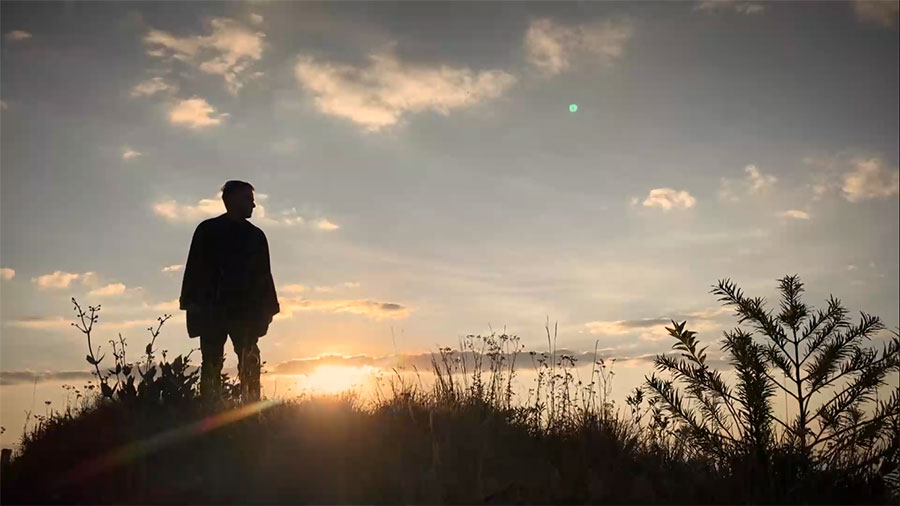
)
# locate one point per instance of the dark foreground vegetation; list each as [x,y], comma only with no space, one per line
[144,437]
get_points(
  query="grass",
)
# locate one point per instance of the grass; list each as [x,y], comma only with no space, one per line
[463,439]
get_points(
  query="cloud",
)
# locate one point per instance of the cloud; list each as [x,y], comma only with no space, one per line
[819,190]
[62,279]
[324,224]
[174,212]
[552,47]
[178,213]
[127,324]
[870,179]
[727,191]
[173,268]
[881,13]
[194,112]
[229,51]
[169,305]
[152,87]
[756,182]
[622,327]
[668,199]
[423,361]
[379,95]
[289,218]
[6,273]
[741,7]
[373,309]
[110,289]
[29,377]
[653,329]
[295,288]
[256,19]
[90,279]
[129,154]
[795,214]
[41,322]
[17,35]
[826,174]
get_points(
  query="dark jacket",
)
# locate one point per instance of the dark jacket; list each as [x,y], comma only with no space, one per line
[228,275]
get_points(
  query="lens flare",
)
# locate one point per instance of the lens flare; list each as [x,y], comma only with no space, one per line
[131,451]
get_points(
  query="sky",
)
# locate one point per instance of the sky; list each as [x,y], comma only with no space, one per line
[421,176]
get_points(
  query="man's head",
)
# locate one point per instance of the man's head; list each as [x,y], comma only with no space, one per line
[238,198]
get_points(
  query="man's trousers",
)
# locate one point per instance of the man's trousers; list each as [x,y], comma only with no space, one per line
[212,346]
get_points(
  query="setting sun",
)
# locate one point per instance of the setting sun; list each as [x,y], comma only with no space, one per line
[333,379]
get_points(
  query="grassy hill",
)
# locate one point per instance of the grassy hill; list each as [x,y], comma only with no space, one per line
[143,435]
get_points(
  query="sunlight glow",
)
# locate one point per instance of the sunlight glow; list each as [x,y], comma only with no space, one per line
[334,379]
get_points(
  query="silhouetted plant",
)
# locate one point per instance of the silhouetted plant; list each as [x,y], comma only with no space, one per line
[820,353]
[151,381]
[461,442]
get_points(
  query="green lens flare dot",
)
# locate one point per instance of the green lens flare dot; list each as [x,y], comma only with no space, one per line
[573,108]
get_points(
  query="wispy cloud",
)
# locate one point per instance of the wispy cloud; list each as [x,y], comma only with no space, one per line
[17,35]
[552,47]
[739,6]
[794,214]
[870,179]
[113,289]
[62,279]
[229,51]
[653,329]
[756,182]
[169,305]
[423,361]
[290,218]
[194,113]
[41,322]
[153,86]
[373,309]
[129,154]
[175,212]
[6,273]
[256,19]
[180,213]
[379,95]
[668,199]
[293,288]
[29,377]
[173,268]
[323,224]
[877,12]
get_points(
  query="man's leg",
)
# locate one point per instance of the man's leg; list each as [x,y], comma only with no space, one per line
[212,347]
[247,349]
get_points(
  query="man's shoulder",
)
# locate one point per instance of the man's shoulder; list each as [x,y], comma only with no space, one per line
[256,230]
[211,223]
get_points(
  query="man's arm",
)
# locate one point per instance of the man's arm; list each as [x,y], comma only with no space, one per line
[193,283]
[269,298]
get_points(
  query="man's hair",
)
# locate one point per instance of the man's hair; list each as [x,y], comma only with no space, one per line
[233,186]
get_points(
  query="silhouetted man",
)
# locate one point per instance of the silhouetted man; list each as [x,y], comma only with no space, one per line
[228,290]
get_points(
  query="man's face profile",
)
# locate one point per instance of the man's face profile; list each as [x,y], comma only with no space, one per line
[241,202]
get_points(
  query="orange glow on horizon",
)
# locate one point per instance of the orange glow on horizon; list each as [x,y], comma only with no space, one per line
[334,379]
